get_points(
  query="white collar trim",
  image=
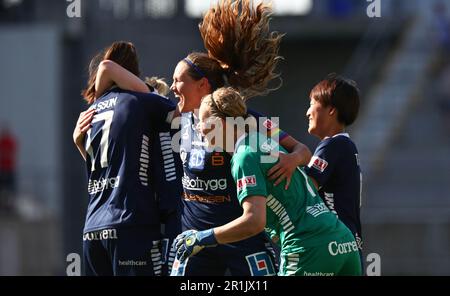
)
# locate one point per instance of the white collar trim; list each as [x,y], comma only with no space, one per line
[337,135]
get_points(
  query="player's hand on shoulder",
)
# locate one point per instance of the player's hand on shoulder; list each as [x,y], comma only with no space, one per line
[284,169]
[190,242]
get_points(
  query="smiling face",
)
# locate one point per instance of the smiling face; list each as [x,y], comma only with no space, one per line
[320,118]
[186,89]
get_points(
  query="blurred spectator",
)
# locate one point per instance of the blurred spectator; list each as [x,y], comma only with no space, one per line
[8,151]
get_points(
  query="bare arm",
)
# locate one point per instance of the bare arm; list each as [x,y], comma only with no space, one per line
[299,156]
[316,184]
[110,73]
[252,222]
[299,151]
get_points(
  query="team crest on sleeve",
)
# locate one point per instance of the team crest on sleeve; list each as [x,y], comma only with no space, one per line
[260,264]
[269,124]
[247,181]
[318,163]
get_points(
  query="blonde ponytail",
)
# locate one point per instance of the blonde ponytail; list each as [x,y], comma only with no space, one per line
[158,84]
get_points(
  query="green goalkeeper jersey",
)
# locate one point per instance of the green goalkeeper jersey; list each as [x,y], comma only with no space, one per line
[297,215]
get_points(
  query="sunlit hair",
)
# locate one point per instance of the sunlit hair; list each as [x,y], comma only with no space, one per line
[89,92]
[242,52]
[121,52]
[158,84]
[225,102]
[341,93]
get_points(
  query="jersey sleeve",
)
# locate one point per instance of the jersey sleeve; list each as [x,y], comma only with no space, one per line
[323,162]
[250,179]
[160,109]
[166,169]
[272,128]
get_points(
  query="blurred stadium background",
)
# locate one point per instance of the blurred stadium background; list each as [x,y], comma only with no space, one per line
[399,59]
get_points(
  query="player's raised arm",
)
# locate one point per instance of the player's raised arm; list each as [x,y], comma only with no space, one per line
[110,73]
[300,153]
[299,156]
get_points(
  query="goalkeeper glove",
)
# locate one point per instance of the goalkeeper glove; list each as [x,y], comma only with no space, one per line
[191,242]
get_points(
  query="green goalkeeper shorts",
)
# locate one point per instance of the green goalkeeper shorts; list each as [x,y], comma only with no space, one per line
[336,258]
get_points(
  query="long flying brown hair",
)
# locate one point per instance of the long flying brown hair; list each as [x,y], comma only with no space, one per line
[236,34]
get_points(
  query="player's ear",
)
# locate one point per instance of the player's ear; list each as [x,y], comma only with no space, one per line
[204,83]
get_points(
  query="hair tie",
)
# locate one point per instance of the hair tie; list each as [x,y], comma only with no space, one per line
[215,104]
[151,88]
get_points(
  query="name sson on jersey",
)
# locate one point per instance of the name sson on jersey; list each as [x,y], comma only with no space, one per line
[105,105]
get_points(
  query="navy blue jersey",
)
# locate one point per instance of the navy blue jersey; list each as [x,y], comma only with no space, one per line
[119,147]
[167,170]
[209,197]
[335,166]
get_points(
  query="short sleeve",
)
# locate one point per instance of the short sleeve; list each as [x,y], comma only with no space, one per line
[323,162]
[247,173]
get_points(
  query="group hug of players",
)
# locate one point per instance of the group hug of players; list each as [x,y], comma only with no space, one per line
[176,189]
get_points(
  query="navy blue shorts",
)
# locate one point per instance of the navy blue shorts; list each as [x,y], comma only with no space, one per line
[170,228]
[237,259]
[124,251]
